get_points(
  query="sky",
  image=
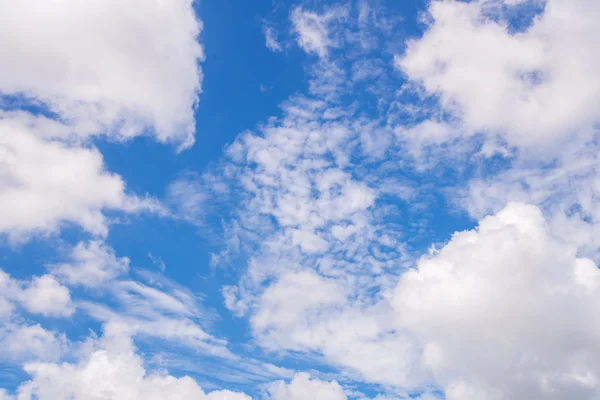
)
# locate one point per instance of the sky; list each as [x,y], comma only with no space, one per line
[298,200]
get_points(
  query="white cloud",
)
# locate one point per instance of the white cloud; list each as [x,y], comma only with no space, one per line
[46,296]
[313,29]
[285,305]
[158,262]
[22,342]
[534,88]
[45,184]
[187,198]
[106,66]
[506,311]
[111,371]
[8,290]
[567,190]
[150,306]
[91,264]
[116,69]
[304,388]
[158,317]
[271,39]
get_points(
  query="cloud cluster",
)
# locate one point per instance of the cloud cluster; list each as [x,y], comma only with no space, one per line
[75,70]
[316,204]
[105,66]
[48,183]
[111,371]
[303,387]
[506,311]
[311,219]
[533,87]
[42,295]
[531,90]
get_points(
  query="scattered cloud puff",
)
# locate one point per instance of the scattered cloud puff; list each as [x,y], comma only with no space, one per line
[23,342]
[91,264]
[302,387]
[94,69]
[46,296]
[42,295]
[47,183]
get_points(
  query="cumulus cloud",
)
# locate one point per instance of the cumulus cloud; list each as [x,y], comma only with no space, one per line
[285,304]
[153,307]
[358,337]
[324,210]
[45,184]
[105,66]
[114,371]
[22,342]
[506,311]
[46,296]
[20,339]
[91,264]
[97,68]
[302,387]
[42,295]
[315,208]
[521,85]
[533,88]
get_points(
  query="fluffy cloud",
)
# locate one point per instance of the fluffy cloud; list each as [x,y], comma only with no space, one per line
[355,336]
[42,295]
[97,68]
[284,306]
[46,296]
[21,342]
[304,388]
[44,184]
[506,311]
[534,87]
[308,222]
[567,190]
[106,66]
[91,264]
[111,371]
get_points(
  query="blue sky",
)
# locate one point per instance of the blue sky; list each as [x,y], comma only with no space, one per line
[366,200]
